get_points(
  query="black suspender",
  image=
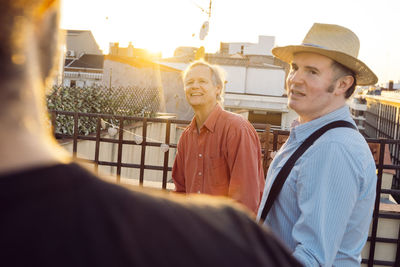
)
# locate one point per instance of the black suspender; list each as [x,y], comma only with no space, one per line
[286,169]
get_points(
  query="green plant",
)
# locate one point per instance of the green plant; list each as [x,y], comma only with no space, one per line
[127,101]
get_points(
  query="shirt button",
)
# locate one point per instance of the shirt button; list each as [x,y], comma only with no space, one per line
[200,173]
[200,155]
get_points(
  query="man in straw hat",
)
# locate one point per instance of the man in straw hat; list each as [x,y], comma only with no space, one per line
[319,200]
[56,213]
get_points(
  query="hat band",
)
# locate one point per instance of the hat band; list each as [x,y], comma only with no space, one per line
[314,45]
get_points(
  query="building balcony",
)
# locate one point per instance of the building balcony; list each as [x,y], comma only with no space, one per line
[83,75]
[356,105]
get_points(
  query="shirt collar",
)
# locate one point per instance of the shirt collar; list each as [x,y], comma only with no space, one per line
[211,120]
[302,131]
[192,125]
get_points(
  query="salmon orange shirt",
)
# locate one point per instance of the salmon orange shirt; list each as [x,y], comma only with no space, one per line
[224,159]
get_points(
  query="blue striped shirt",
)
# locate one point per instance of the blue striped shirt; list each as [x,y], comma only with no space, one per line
[325,207]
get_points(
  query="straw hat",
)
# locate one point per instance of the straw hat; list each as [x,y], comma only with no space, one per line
[335,42]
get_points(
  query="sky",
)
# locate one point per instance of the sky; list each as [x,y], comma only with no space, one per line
[163,25]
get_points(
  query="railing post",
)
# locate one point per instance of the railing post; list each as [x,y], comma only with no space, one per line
[120,139]
[265,147]
[375,216]
[275,141]
[397,261]
[97,148]
[166,155]
[378,125]
[143,152]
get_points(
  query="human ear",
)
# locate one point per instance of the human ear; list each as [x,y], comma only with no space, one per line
[219,90]
[343,83]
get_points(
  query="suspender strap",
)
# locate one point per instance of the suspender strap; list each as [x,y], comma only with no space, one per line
[286,169]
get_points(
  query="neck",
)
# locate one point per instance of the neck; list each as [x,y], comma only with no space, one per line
[25,140]
[21,151]
[201,115]
[310,117]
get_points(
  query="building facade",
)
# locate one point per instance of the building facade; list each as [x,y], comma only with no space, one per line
[83,65]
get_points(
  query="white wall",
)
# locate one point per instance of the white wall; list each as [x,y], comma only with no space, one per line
[235,77]
[82,42]
[237,47]
[263,47]
[255,81]
[265,81]
[126,75]
[81,82]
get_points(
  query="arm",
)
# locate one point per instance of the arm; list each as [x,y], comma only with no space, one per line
[244,161]
[178,175]
[327,191]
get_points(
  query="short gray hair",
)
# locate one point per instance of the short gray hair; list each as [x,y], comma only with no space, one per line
[217,75]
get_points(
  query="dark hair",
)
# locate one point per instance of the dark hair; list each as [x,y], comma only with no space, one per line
[344,71]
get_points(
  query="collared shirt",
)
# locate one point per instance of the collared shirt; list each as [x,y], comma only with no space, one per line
[223,159]
[325,207]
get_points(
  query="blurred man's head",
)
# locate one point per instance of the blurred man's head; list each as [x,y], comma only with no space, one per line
[28,49]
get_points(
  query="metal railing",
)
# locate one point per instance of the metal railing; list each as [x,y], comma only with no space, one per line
[165,168]
[383,121]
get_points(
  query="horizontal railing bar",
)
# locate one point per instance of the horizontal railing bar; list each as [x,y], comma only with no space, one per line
[115,141]
[384,240]
[389,167]
[125,165]
[389,215]
[378,262]
[383,140]
[390,191]
[118,117]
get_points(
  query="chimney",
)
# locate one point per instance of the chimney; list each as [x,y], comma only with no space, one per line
[390,86]
[113,50]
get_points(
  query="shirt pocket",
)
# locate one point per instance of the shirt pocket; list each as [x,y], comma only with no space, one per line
[219,172]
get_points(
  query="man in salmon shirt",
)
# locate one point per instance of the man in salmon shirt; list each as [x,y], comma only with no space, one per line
[219,153]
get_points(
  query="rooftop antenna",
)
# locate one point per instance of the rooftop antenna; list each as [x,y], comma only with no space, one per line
[203,31]
[205,26]
[208,12]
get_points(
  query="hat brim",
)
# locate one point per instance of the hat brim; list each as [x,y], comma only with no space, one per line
[364,76]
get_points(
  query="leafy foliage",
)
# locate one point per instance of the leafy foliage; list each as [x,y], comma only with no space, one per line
[127,101]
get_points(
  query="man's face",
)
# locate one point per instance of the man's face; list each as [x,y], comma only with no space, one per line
[199,88]
[311,86]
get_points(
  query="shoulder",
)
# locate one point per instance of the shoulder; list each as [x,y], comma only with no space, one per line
[188,129]
[230,234]
[98,216]
[185,137]
[347,140]
[345,149]
[236,122]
